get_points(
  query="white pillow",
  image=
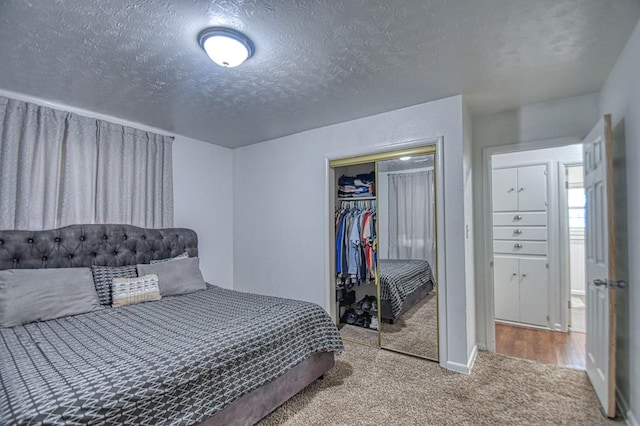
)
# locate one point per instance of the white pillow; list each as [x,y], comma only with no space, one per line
[129,291]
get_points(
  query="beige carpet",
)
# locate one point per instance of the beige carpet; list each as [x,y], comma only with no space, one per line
[416,331]
[369,386]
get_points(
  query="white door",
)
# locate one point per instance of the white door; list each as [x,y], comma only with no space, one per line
[532,188]
[504,195]
[600,260]
[506,284]
[534,291]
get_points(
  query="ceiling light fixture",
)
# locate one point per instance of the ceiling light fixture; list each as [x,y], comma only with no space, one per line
[406,158]
[226,47]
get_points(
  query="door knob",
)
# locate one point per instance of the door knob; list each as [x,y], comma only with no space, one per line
[606,283]
[517,245]
[517,232]
[517,217]
[520,189]
[511,190]
[619,284]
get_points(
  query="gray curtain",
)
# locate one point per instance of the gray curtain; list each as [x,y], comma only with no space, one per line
[58,168]
[412,216]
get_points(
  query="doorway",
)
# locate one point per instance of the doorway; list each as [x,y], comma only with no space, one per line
[535,224]
[576,200]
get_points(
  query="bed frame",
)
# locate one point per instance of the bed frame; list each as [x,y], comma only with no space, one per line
[420,293]
[118,245]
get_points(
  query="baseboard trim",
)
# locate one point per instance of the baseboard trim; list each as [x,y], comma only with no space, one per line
[521,324]
[464,368]
[627,413]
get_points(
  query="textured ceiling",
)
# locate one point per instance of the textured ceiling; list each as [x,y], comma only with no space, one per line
[317,62]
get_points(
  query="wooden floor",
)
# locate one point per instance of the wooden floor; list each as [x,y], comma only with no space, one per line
[548,347]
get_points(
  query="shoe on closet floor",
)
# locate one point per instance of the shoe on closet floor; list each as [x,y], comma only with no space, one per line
[364,303]
[374,323]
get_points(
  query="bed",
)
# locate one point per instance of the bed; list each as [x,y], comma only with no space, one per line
[215,356]
[403,283]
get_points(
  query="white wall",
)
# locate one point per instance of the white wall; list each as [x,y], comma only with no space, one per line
[202,191]
[561,154]
[203,201]
[620,97]
[280,207]
[570,117]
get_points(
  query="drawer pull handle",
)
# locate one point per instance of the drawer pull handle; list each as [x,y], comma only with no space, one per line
[520,189]
[517,245]
[517,217]
[517,232]
[511,190]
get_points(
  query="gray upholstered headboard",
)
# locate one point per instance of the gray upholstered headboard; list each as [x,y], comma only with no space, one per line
[87,245]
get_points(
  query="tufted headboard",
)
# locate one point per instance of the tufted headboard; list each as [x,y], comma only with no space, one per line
[87,245]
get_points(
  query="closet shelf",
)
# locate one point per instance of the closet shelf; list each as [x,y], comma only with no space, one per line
[356,198]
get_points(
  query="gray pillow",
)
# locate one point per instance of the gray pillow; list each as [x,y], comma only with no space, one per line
[103,277]
[176,277]
[169,259]
[29,295]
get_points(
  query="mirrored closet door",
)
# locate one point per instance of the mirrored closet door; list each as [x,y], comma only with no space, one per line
[384,257]
[407,255]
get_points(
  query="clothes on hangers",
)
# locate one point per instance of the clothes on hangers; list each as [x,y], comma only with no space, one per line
[356,241]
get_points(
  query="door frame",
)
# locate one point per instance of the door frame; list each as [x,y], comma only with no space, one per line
[486,255]
[565,239]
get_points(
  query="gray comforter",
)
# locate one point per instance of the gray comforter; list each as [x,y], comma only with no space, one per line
[175,361]
[399,278]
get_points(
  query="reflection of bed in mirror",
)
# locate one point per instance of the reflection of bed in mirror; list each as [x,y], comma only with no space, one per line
[403,283]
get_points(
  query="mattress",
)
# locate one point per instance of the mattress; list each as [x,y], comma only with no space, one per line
[175,361]
[399,278]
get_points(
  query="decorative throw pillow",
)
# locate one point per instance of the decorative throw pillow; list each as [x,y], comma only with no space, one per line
[30,295]
[104,275]
[129,291]
[176,277]
[169,259]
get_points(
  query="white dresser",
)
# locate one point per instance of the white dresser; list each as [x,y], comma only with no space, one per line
[521,273]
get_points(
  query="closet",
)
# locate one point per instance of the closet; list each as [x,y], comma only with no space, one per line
[384,277]
[521,268]
[356,252]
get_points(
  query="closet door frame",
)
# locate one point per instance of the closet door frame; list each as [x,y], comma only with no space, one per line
[367,155]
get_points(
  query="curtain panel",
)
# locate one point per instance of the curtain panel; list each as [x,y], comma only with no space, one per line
[412,216]
[58,168]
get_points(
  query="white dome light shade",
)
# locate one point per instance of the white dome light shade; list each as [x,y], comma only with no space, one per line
[226,47]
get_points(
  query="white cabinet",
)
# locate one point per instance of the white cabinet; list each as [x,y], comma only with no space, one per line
[504,193]
[506,278]
[521,289]
[519,189]
[520,245]
[534,291]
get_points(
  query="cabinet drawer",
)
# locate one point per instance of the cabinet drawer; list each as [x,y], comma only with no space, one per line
[520,247]
[520,233]
[520,219]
